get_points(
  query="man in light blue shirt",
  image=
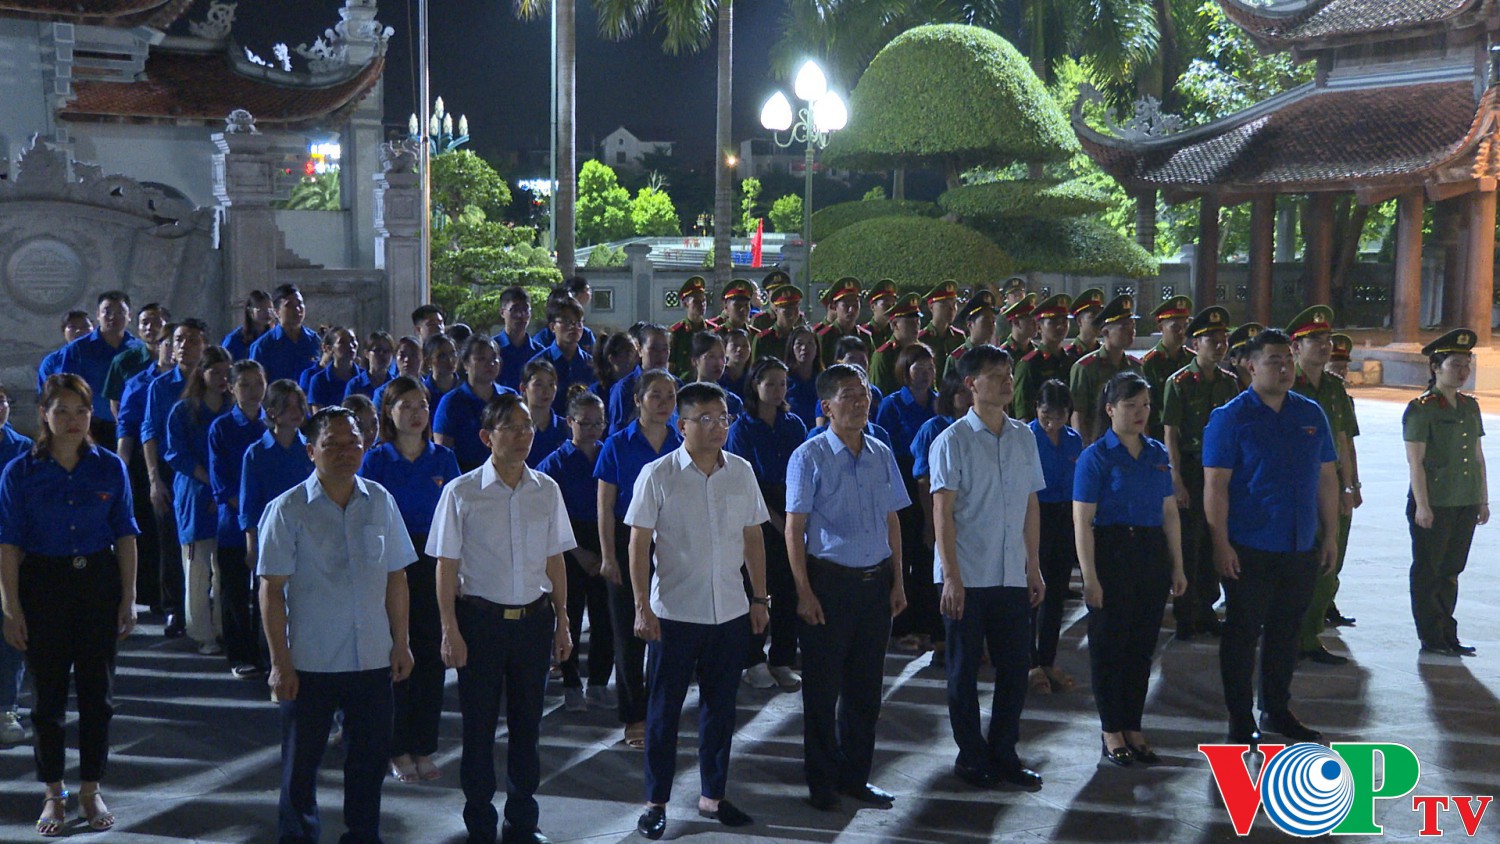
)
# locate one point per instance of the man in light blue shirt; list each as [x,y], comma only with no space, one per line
[332,559]
[843,540]
[986,473]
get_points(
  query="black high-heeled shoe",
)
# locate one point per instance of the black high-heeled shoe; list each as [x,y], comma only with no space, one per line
[1144,755]
[1119,756]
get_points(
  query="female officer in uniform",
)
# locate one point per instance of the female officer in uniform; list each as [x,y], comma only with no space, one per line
[1448,489]
[67,579]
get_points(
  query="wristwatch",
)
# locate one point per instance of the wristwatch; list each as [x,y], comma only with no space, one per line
[765,602]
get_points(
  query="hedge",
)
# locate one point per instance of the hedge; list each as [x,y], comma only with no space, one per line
[917,252]
[826,221]
[950,96]
[1024,198]
[1074,246]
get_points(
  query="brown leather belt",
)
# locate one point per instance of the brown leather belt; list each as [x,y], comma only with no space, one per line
[508,612]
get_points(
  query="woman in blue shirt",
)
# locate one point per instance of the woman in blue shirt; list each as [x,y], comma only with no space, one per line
[804,362]
[277,462]
[67,580]
[229,437]
[1130,549]
[621,459]
[414,469]
[326,386]
[766,433]
[12,661]
[736,377]
[1059,447]
[572,466]
[440,367]
[952,402]
[902,414]
[204,398]
[380,348]
[619,358]
[258,318]
[408,363]
[708,358]
[456,423]
[539,388]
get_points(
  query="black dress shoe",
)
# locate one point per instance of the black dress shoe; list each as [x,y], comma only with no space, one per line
[1242,730]
[652,822]
[873,795]
[1286,724]
[727,814]
[824,802]
[511,835]
[1021,777]
[1334,618]
[1461,649]
[1144,755]
[1120,756]
[1441,650]
[176,626]
[1321,656]
[975,776]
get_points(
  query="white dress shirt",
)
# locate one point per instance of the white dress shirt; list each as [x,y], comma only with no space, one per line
[700,523]
[501,536]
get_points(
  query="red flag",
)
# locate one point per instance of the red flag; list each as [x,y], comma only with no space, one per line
[755,242]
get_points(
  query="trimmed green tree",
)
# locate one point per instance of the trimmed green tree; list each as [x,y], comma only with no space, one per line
[916,251]
[603,212]
[653,215]
[786,214]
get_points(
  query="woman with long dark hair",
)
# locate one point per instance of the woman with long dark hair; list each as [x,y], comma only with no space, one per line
[1059,446]
[1126,526]
[259,316]
[539,389]
[67,582]
[804,360]
[902,413]
[455,424]
[619,358]
[706,352]
[380,350]
[204,398]
[326,386]
[439,367]
[229,437]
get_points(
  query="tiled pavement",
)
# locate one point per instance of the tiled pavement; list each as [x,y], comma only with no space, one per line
[196,752]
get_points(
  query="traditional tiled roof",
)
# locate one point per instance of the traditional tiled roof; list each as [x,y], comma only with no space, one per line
[1338,20]
[123,13]
[1308,138]
[181,86]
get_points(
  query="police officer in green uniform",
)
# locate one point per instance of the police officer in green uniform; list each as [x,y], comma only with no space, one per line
[1047,361]
[1168,355]
[904,316]
[694,297]
[1093,370]
[842,300]
[774,281]
[940,334]
[1448,497]
[1239,339]
[1312,342]
[786,302]
[1338,359]
[736,314]
[882,297]
[978,315]
[1190,395]
[1012,290]
[1020,316]
[1086,310]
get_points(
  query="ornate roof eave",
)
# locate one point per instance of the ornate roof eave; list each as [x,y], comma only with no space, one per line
[1297,31]
[157,14]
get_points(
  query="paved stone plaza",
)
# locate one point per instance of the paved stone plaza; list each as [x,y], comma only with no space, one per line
[196,752]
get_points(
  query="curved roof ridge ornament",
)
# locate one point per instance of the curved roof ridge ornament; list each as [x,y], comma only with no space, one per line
[218,23]
[1147,120]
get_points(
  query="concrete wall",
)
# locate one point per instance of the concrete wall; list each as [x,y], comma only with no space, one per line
[321,237]
[178,156]
[23,101]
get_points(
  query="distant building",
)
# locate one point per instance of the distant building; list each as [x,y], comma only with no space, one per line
[622,148]
[760,157]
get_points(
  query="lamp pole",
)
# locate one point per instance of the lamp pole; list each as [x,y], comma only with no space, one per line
[824,113]
[425,84]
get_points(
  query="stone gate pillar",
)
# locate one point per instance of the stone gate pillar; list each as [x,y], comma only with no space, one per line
[245,184]
[398,231]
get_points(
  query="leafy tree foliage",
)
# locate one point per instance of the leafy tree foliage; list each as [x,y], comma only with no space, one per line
[653,215]
[786,214]
[917,251]
[749,206]
[603,206]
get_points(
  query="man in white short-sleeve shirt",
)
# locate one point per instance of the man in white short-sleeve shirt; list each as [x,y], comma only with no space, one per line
[499,534]
[986,473]
[703,508]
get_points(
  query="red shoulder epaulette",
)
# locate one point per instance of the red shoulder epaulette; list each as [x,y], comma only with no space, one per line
[769,332]
[823,329]
[1130,360]
[887,346]
[712,324]
[959,331]
[1031,354]
[1087,360]
[678,326]
[958,352]
[1185,376]
[1151,355]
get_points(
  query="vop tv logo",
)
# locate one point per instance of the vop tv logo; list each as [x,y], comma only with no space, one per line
[1309,790]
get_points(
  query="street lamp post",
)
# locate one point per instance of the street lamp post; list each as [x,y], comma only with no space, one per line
[824,113]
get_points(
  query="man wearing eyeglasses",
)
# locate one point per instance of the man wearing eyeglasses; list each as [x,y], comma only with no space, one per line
[703,508]
[572,363]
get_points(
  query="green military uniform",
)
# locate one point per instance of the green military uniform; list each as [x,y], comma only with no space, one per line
[883,359]
[1331,395]
[1011,286]
[829,332]
[1039,366]
[738,288]
[774,280]
[1190,395]
[1092,371]
[771,342]
[879,334]
[1023,308]
[982,302]
[1456,494]
[1238,339]
[1089,300]
[943,341]
[680,335]
[1159,364]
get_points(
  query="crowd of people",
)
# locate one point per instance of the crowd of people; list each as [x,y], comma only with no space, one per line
[751,498]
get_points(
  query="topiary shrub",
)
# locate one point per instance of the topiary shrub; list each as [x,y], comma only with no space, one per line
[1073,246]
[827,220]
[1023,198]
[917,252]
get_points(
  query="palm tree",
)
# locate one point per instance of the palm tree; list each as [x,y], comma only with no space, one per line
[563,201]
[689,25]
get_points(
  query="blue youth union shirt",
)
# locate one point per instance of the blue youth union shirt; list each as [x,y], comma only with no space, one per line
[1126,490]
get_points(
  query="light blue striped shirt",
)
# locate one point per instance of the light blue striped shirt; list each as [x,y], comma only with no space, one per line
[846,498]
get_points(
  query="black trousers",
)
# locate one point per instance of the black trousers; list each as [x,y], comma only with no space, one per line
[419,698]
[365,699]
[244,641]
[708,654]
[843,669]
[630,651]
[1194,608]
[1263,609]
[921,617]
[782,630]
[1059,556]
[169,551]
[147,549]
[1135,576]
[1439,555]
[506,657]
[997,618]
[588,592]
[71,605]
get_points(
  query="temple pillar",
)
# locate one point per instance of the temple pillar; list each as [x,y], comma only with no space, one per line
[1406,298]
[1452,226]
[1206,256]
[1262,250]
[1145,220]
[398,230]
[1318,254]
[245,183]
[1479,293]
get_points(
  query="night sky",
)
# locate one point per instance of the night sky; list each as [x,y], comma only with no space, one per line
[494,68]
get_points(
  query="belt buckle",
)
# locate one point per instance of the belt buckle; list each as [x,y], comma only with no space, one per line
[513,614]
[80,562]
